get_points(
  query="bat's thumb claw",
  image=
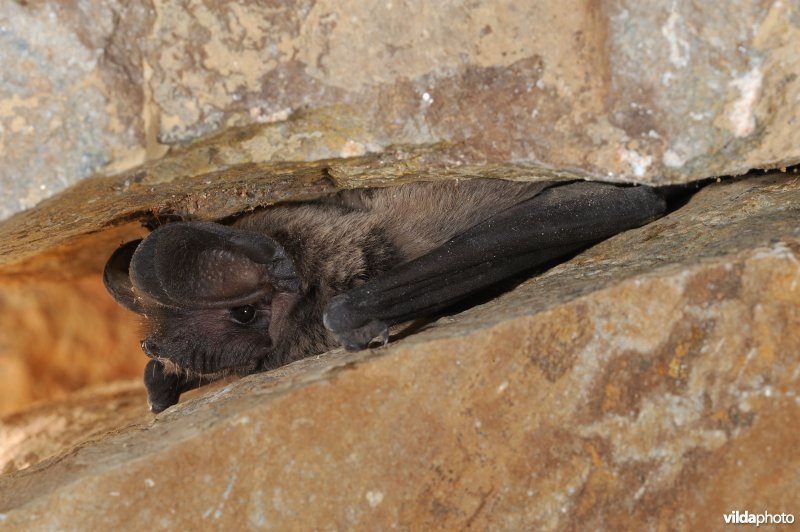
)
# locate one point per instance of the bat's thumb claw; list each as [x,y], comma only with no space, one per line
[352,331]
[340,315]
[361,337]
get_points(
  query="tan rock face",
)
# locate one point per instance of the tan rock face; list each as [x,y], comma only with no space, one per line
[650,382]
[623,90]
[627,90]
[50,427]
[57,337]
[61,238]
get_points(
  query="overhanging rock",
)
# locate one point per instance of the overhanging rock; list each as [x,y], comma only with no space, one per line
[622,90]
[651,381]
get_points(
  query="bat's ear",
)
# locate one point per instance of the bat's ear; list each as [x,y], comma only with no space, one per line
[207,265]
[117,279]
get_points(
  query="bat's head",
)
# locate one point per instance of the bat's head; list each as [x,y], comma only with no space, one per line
[215,297]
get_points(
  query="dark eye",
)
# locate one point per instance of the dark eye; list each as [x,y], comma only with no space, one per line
[244,314]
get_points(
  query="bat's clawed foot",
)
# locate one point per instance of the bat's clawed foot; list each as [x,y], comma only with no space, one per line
[353,331]
[163,389]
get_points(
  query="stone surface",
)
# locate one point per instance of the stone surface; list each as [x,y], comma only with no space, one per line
[61,238]
[57,337]
[50,427]
[652,382]
[620,90]
[67,108]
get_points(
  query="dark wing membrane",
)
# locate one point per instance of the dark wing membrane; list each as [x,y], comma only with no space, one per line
[554,223]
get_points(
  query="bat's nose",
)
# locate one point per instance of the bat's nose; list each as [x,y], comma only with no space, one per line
[149,347]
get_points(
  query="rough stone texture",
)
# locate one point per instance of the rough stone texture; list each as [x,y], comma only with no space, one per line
[652,382]
[618,90]
[61,237]
[57,337]
[50,427]
[67,109]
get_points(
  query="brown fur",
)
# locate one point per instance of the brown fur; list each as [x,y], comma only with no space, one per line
[189,279]
[341,241]
[252,297]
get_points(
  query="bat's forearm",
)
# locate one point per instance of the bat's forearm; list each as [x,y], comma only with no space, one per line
[555,223]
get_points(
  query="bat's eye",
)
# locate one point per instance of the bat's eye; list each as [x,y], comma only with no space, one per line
[243,315]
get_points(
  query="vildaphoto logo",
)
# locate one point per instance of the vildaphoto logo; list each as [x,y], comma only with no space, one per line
[764,518]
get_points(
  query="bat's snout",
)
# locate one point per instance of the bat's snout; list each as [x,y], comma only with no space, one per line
[149,347]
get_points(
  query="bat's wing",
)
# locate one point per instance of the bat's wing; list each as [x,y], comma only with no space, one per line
[559,221]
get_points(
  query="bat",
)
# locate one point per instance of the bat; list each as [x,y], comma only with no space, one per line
[294,280]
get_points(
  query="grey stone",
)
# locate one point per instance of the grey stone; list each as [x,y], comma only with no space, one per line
[621,91]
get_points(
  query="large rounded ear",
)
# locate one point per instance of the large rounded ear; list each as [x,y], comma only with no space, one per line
[207,265]
[117,279]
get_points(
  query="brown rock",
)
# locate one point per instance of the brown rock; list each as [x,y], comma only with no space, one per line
[61,239]
[50,427]
[58,337]
[627,91]
[621,91]
[651,382]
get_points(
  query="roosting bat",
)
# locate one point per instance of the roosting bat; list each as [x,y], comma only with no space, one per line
[295,280]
